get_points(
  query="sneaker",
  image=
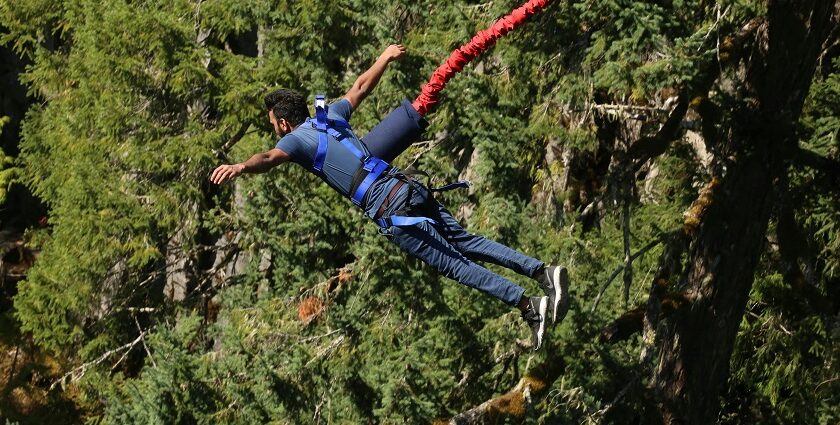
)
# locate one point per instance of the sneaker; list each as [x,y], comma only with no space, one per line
[535,317]
[554,281]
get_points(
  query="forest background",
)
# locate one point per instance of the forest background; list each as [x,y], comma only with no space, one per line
[681,157]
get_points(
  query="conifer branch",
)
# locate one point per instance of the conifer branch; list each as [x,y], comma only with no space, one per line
[794,254]
[427,146]
[647,148]
[326,351]
[469,375]
[632,322]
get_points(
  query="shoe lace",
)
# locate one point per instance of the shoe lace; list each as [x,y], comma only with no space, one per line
[531,316]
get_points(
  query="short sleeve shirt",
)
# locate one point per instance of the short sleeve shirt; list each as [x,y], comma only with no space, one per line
[340,165]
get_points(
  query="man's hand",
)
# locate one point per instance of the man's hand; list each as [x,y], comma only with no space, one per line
[393,52]
[226,172]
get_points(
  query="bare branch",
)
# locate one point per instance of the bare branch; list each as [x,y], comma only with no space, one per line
[828,169]
[222,152]
[618,270]
[326,351]
[80,371]
[607,407]
[628,258]
[146,347]
[515,402]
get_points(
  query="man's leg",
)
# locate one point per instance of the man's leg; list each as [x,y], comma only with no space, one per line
[424,242]
[479,248]
[552,280]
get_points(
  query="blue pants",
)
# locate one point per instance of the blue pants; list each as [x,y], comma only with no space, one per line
[452,250]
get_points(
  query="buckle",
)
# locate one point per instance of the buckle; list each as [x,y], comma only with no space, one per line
[369,163]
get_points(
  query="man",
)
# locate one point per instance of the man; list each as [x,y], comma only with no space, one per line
[405,209]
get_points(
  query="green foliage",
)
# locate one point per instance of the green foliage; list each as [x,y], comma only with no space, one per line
[821,209]
[785,358]
[8,172]
[140,100]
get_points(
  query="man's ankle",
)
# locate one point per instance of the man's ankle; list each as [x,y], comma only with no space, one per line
[524,303]
[539,272]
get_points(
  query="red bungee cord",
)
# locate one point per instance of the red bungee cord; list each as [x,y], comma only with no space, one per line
[428,97]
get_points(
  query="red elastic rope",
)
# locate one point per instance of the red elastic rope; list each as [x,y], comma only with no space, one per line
[482,41]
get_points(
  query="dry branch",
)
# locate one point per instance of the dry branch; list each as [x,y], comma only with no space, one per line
[514,403]
[631,322]
[618,270]
[80,371]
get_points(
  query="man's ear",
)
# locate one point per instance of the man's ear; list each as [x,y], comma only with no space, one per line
[287,128]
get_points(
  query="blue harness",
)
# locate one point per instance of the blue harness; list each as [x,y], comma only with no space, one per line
[374,166]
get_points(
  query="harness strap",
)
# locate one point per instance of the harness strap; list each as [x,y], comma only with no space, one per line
[322,124]
[412,171]
[389,198]
[325,126]
[375,167]
[339,136]
[402,221]
[463,184]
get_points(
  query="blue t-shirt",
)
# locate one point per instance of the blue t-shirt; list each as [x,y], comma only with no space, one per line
[340,165]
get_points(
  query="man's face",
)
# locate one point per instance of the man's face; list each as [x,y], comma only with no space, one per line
[281,126]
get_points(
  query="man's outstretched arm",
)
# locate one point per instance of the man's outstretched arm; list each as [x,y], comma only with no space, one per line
[367,81]
[258,163]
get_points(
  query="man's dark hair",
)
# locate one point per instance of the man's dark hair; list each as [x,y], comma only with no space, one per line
[288,105]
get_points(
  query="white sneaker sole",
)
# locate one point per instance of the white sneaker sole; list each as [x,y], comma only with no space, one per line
[542,308]
[560,281]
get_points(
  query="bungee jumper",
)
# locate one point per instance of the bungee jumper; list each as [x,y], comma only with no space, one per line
[404,209]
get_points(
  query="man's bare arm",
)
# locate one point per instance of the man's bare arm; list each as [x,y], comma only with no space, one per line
[259,163]
[367,81]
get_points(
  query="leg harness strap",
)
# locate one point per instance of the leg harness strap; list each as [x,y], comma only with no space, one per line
[402,221]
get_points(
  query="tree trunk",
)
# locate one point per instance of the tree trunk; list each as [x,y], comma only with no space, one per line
[697,342]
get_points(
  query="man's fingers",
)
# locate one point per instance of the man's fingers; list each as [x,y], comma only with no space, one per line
[221,174]
[230,174]
[396,50]
[216,173]
[226,175]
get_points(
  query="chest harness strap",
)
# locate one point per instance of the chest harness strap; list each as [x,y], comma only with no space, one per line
[372,165]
